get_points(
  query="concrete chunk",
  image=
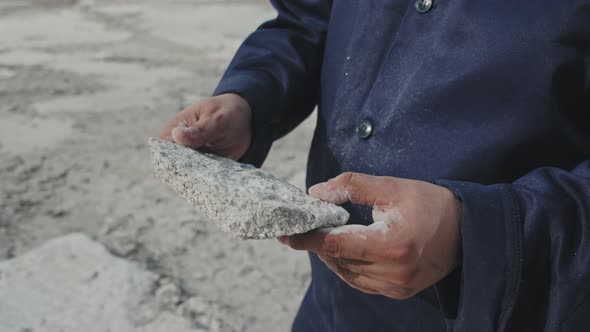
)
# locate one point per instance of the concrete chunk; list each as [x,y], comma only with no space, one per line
[247,202]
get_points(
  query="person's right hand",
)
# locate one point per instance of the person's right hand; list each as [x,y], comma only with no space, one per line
[221,125]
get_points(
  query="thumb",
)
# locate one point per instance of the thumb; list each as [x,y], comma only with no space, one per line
[192,137]
[348,187]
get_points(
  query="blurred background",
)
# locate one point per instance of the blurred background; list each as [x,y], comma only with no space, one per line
[90,240]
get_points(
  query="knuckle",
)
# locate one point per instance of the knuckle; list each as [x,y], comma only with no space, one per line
[332,246]
[364,252]
[346,178]
[207,105]
[218,117]
[193,108]
[406,278]
[350,182]
[340,180]
[400,254]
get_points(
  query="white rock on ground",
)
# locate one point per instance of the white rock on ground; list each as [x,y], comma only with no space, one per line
[247,202]
[73,284]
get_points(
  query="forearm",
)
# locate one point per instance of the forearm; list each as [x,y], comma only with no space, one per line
[277,71]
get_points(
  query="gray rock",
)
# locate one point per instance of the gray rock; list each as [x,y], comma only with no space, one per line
[245,201]
[73,283]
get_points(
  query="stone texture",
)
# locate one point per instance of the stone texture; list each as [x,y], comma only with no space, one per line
[73,284]
[245,201]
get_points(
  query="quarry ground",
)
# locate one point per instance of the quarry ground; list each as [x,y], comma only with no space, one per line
[89,239]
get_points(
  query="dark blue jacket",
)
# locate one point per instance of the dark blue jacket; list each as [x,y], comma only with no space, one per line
[488,98]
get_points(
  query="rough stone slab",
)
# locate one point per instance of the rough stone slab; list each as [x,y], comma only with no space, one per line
[73,284]
[247,202]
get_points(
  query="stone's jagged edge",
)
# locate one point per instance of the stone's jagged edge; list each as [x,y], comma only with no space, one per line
[164,169]
[240,211]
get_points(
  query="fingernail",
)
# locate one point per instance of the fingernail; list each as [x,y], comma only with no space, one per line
[176,135]
[314,190]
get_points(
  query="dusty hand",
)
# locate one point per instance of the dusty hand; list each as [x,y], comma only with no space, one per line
[219,125]
[412,244]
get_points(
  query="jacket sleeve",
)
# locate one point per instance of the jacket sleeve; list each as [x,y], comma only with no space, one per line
[526,254]
[277,71]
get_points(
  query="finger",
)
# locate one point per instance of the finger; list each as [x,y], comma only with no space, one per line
[349,241]
[332,265]
[354,187]
[375,271]
[166,132]
[184,119]
[396,274]
[198,135]
[189,137]
[370,269]
[363,283]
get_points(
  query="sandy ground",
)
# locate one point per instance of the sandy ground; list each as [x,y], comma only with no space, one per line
[83,84]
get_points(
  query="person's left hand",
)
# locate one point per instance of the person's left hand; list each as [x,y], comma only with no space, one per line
[412,244]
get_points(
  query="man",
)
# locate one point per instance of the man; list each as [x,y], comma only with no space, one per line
[466,124]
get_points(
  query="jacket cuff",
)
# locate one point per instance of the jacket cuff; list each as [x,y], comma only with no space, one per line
[260,94]
[484,289]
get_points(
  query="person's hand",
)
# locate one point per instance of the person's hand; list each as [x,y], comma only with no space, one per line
[220,125]
[412,244]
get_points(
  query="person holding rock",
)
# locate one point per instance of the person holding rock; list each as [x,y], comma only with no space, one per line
[457,135]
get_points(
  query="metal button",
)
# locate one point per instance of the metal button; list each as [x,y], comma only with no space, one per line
[422,6]
[364,129]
